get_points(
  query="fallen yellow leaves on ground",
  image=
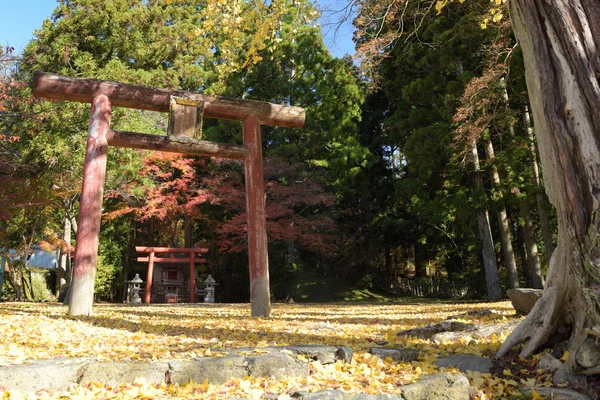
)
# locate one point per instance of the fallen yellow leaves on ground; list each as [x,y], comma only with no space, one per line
[163,332]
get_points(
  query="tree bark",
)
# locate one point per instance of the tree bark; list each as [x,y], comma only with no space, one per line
[28,285]
[90,209]
[539,196]
[63,267]
[560,41]
[485,235]
[15,276]
[508,254]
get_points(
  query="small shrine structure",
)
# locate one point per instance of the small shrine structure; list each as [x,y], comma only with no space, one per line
[168,280]
[186,111]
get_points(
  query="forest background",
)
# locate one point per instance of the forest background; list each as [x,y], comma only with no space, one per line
[416,172]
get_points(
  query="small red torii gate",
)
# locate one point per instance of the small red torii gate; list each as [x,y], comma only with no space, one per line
[151,259]
[103,94]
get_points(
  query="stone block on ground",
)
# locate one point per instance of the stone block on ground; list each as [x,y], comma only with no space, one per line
[437,387]
[524,299]
[324,395]
[324,354]
[427,332]
[277,365]
[59,375]
[397,355]
[549,363]
[562,376]
[46,374]
[216,370]
[465,362]
[476,332]
[341,395]
[487,330]
[345,354]
[588,355]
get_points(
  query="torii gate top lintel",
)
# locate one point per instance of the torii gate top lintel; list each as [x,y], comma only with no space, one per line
[187,110]
[83,90]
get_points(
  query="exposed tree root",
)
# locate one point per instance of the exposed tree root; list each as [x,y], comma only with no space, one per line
[564,302]
[542,321]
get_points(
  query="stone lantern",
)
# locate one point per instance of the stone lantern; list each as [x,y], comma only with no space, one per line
[209,289]
[135,289]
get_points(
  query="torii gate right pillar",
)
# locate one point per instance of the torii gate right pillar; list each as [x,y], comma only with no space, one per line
[258,256]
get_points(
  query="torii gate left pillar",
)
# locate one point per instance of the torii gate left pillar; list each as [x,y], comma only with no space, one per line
[251,113]
[90,208]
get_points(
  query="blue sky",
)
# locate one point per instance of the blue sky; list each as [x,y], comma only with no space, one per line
[20,18]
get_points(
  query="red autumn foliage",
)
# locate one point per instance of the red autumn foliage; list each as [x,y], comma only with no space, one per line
[174,192]
[297,206]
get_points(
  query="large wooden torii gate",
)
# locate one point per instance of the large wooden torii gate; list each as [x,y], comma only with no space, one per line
[102,95]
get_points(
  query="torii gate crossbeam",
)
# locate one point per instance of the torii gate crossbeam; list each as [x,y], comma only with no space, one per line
[103,95]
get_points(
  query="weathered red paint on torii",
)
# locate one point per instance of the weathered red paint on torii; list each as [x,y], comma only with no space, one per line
[251,113]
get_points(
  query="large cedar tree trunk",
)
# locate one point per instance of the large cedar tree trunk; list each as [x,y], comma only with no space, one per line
[561,45]
[488,253]
[508,254]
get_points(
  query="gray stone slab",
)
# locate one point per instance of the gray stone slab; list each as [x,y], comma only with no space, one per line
[397,355]
[364,396]
[523,299]
[562,376]
[465,362]
[426,332]
[345,354]
[588,355]
[324,354]
[325,395]
[442,386]
[276,365]
[549,363]
[341,395]
[216,370]
[476,332]
[59,375]
[46,374]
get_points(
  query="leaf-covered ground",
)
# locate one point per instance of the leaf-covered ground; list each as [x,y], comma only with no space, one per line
[161,332]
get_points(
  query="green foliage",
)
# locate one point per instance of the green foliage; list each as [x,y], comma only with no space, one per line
[106,279]
[417,197]
[41,281]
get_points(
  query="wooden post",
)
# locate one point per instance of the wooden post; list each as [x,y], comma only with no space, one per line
[185,117]
[192,277]
[149,277]
[90,209]
[257,224]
